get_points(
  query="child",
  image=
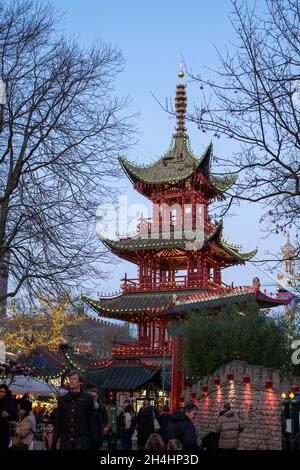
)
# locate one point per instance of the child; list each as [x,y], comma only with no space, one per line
[48,435]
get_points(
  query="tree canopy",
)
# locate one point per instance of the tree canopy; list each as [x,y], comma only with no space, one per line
[236,333]
[253,98]
[61,129]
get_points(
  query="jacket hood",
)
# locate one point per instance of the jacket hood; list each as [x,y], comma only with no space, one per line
[179,416]
[229,413]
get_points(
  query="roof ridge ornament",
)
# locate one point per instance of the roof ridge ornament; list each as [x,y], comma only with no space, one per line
[180,105]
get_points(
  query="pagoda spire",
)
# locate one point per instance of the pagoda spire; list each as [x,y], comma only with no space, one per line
[288,251]
[180,105]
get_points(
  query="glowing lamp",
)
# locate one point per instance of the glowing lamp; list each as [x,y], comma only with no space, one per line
[217,381]
[230,376]
[292,395]
[283,395]
[246,379]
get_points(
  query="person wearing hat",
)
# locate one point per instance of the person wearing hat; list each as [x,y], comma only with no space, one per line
[229,426]
[25,428]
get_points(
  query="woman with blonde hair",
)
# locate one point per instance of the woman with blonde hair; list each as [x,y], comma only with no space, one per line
[155,442]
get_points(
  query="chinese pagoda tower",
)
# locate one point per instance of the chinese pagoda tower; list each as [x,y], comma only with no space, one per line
[176,273]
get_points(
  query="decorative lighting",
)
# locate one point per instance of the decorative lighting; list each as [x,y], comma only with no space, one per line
[205,388]
[217,381]
[230,376]
[283,395]
[269,383]
[291,395]
[246,379]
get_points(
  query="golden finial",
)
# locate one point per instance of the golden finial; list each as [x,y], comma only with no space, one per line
[180,73]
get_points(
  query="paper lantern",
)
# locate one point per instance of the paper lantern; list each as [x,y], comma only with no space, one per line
[246,379]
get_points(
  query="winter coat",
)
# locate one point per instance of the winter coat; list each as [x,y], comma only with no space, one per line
[181,427]
[165,418]
[145,424]
[100,421]
[24,431]
[229,425]
[8,404]
[75,417]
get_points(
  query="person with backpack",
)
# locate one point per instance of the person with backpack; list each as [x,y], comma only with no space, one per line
[127,423]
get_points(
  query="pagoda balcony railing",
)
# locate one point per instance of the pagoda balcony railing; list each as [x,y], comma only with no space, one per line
[176,283]
[146,227]
[149,225]
[136,348]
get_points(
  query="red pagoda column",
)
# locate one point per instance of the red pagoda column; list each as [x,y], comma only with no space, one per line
[177,372]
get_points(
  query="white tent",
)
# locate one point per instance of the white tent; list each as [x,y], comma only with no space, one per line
[25,384]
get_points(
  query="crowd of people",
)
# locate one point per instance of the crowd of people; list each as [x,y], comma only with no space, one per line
[79,421]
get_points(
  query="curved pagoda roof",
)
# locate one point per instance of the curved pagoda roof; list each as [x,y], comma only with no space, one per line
[168,305]
[179,162]
[138,243]
[176,165]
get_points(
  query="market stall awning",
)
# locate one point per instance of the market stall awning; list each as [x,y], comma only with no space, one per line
[25,384]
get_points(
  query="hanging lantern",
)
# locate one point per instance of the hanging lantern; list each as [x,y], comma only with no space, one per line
[230,376]
[269,383]
[217,381]
[246,379]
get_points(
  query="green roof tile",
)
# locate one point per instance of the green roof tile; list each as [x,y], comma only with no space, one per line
[177,164]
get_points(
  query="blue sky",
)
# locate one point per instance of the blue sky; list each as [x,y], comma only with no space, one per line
[153,36]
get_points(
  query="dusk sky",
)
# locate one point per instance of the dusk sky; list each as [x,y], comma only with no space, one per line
[153,36]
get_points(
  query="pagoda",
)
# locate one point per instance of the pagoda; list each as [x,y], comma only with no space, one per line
[180,252]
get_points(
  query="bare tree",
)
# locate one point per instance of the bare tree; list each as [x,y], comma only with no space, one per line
[254,99]
[61,128]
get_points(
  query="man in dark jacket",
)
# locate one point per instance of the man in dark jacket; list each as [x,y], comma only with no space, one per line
[165,417]
[8,413]
[181,426]
[74,420]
